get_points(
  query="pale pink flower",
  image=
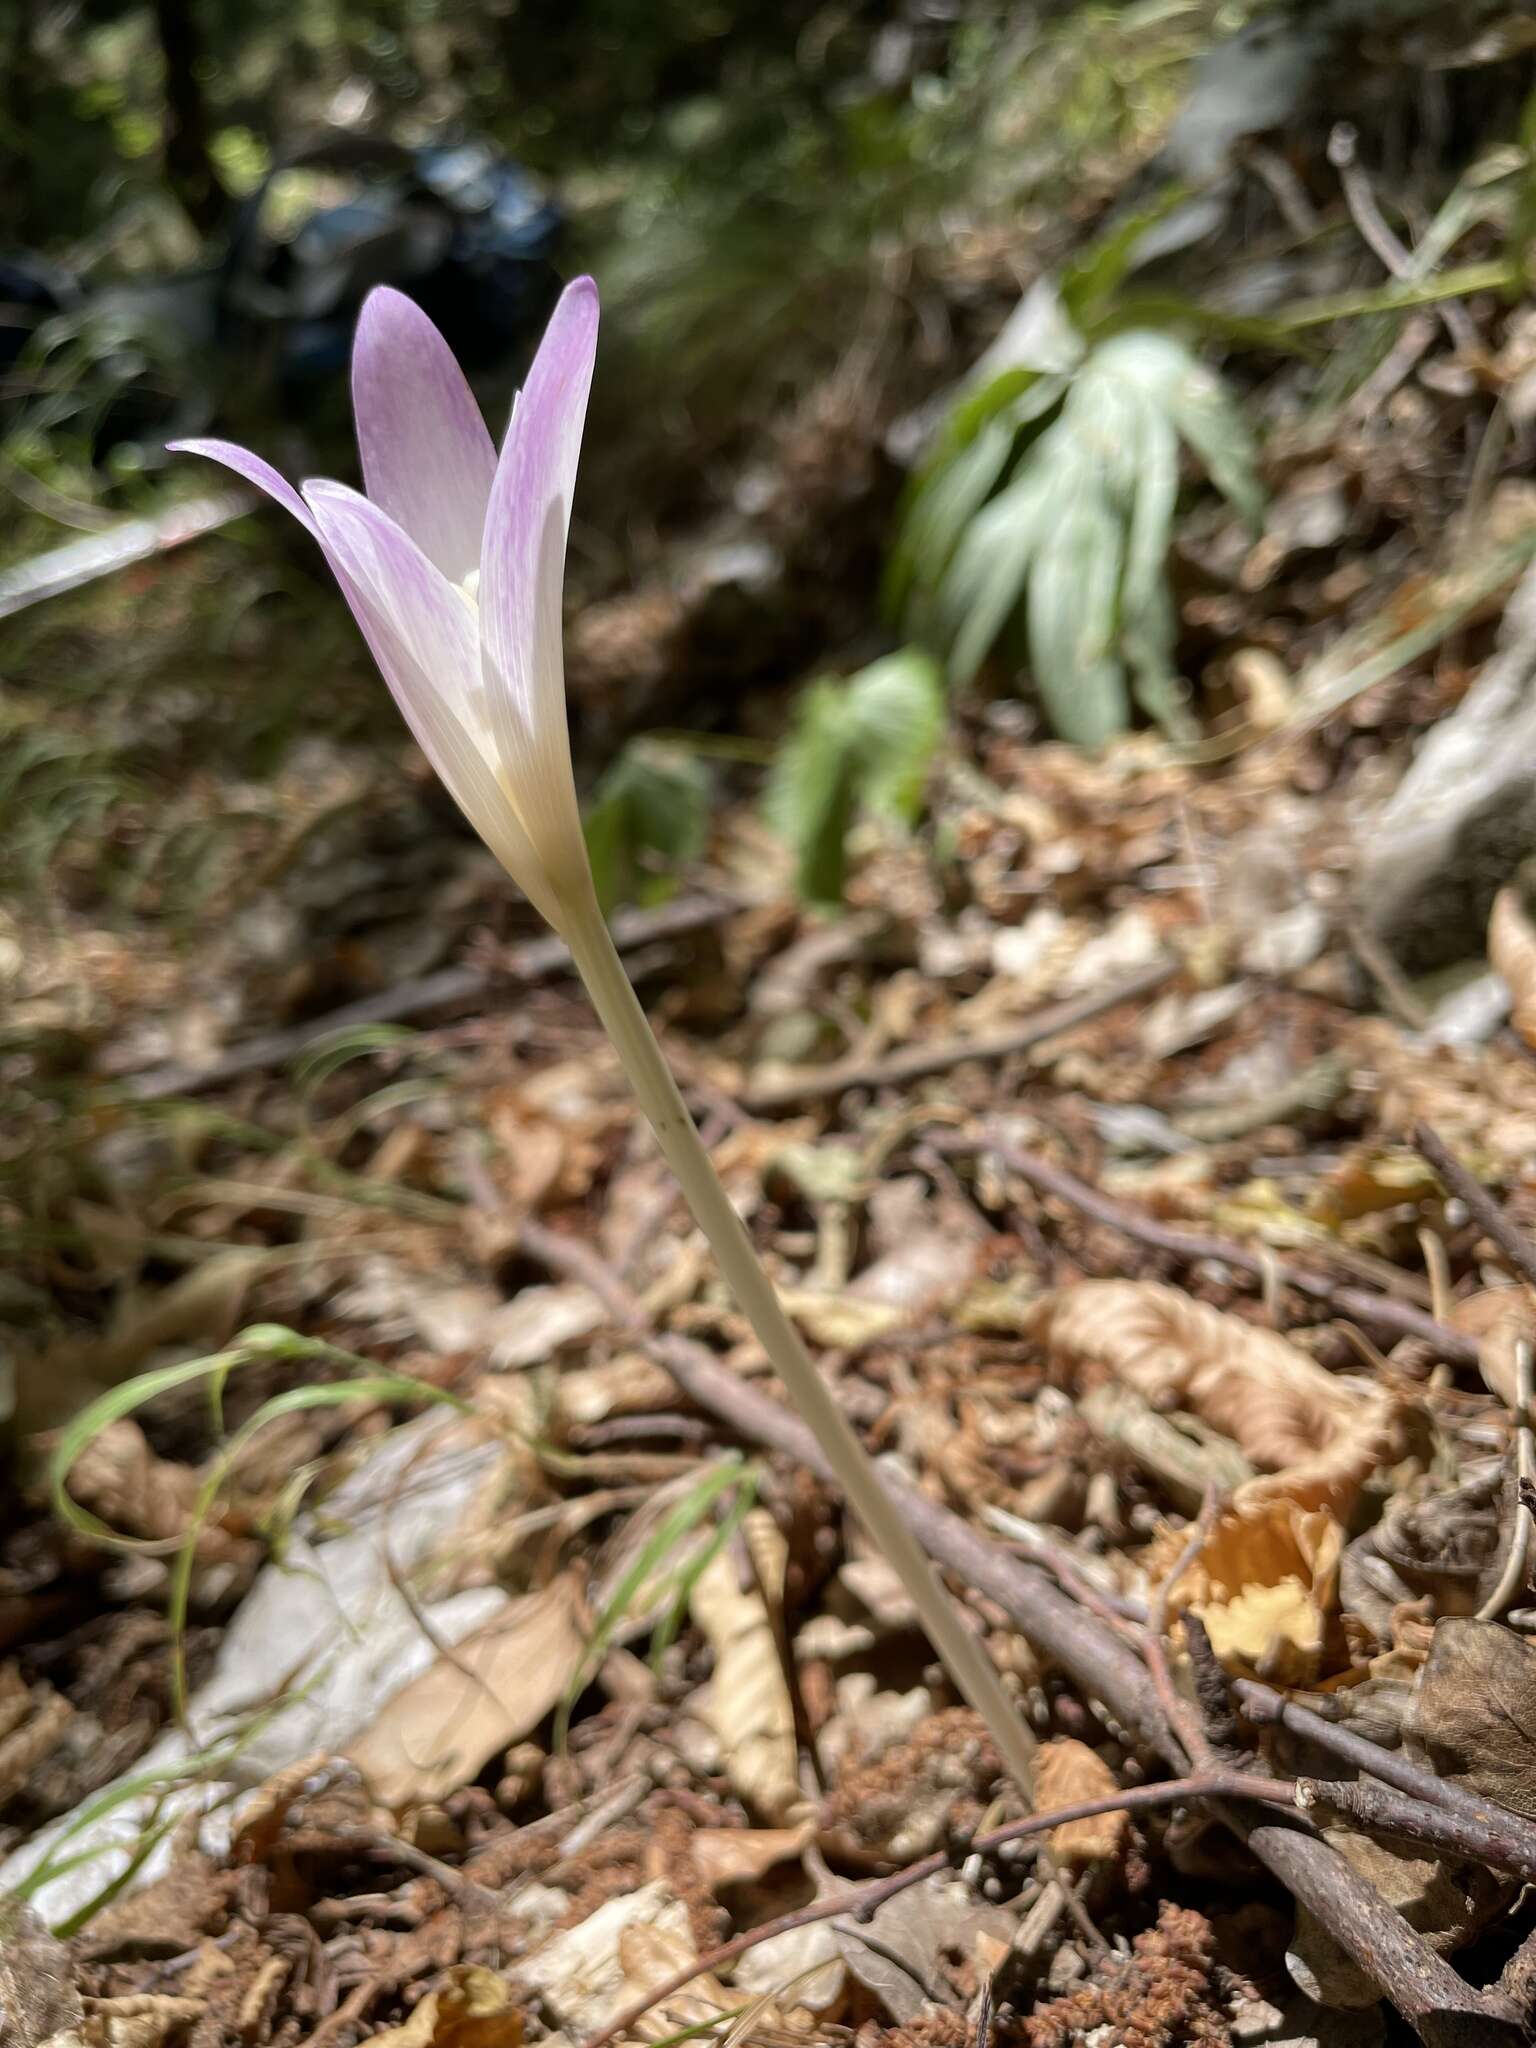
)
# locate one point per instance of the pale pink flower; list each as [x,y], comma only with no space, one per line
[453,564]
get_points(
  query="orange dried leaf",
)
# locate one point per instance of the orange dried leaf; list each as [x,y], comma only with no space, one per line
[473,2009]
[1497,1318]
[1266,1585]
[1315,1438]
[1067,1773]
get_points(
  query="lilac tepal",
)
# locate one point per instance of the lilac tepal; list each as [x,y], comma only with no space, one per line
[453,564]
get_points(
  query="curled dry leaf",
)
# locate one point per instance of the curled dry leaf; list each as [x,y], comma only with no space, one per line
[1266,1585]
[1066,1773]
[1369,1181]
[1448,1903]
[747,1704]
[490,1690]
[473,2008]
[727,1856]
[119,1478]
[1315,1438]
[1512,951]
[582,1976]
[141,2019]
[1497,1318]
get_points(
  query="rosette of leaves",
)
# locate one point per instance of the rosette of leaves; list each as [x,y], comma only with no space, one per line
[858,747]
[1041,524]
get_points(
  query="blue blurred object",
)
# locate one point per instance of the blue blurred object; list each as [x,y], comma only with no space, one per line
[467,233]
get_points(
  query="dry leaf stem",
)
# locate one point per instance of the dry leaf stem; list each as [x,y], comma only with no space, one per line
[1270,1709]
[1434,1998]
[862,1901]
[1460,1181]
[915,1062]
[1400,1318]
[1442,2007]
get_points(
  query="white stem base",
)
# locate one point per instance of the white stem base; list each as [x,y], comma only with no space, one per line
[964,1656]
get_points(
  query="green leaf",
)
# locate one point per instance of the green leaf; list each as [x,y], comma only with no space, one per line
[992,563]
[942,505]
[650,816]
[809,798]
[864,745]
[896,710]
[1073,591]
[1091,280]
[1147,624]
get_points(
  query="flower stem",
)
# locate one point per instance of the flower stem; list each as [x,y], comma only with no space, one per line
[964,1656]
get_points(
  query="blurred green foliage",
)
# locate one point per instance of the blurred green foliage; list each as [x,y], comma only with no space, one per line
[648,817]
[856,748]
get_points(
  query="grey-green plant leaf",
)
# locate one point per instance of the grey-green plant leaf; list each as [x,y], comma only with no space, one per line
[992,563]
[861,744]
[1073,590]
[809,798]
[897,711]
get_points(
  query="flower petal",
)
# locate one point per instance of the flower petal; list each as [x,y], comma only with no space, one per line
[522,571]
[428,457]
[253,469]
[423,635]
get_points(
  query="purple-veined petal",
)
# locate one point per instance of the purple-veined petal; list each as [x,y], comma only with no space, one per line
[428,457]
[253,469]
[423,635]
[522,570]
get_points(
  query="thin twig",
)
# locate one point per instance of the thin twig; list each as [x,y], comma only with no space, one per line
[450,988]
[913,1063]
[1401,1318]
[1459,1180]
[1492,1840]
[1441,2006]
[1184,1722]
[862,1901]
[1268,1708]
[1395,258]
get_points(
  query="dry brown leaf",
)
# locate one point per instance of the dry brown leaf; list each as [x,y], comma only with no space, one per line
[1512,953]
[628,1384]
[1066,1773]
[1315,1438]
[900,1954]
[141,2019]
[1368,1181]
[472,2009]
[727,1856]
[582,1976]
[747,1703]
[1266,1585]
[1472,1717]
[1497,1318]
[489,1691]
[119,1478]
[1447,1902]
[37,1988]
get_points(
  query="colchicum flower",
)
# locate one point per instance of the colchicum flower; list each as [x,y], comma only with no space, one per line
[453,564]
